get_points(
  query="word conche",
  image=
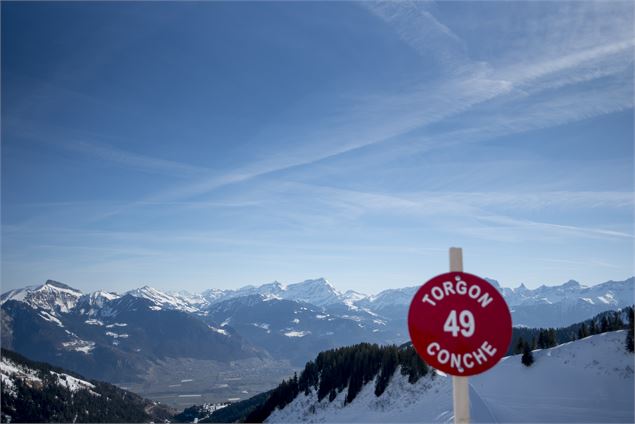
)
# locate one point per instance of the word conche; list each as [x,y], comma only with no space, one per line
[459,361]
[459,287]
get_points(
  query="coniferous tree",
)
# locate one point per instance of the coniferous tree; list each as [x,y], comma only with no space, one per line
[552,339]
[528,357]
[594,328]
[583,331]
[519,346]
[617,323]
[629,331]
[604,324]
[388,367]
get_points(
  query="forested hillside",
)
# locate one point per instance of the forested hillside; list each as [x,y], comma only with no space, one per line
[38,392]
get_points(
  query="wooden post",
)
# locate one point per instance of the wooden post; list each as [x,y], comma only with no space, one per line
[460,387]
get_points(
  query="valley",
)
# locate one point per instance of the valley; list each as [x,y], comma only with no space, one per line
[182,382]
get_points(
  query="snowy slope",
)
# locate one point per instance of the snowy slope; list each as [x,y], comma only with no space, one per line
[428,400]
[590,380]
[52,297]
[163,300]
[12,371]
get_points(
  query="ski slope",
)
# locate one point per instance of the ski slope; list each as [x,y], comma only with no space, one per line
[589,380]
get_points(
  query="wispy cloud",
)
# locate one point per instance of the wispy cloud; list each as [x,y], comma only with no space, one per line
[381,117]
[140,162]
[450,211]
[418,28]
[374,119]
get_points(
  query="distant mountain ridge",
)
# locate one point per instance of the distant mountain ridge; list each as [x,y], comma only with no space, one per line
[543,306]
[116,337]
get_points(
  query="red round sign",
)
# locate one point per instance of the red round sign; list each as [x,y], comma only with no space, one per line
[459,324]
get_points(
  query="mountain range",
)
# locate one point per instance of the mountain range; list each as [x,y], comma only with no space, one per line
[545,306]
[145,334]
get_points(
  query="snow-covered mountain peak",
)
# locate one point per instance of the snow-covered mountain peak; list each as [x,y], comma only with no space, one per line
[493,282]
[98,298]
[572,284]
[271,288]
[51,296]
[318,292]
[354,296]
[92,303]
[162,299]
[56,285]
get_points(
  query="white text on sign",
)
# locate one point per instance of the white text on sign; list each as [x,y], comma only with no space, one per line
[466,321]
[461,361]
[459,287]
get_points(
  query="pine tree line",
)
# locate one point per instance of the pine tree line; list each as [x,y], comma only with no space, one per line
[347,367]
[524,340]
[629,332]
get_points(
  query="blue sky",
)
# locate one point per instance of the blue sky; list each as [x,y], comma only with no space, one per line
[199,145]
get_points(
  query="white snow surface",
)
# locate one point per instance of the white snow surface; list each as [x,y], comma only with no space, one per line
[48,317]
[318,292]
[79,345]
[10,371]
[297,333]
[116,336]
[71,383]
[162,299]
[51,296]
[218,330]
[590,380]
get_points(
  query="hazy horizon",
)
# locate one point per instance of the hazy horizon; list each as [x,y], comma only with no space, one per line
[209,143]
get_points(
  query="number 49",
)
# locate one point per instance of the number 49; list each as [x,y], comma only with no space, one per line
[466,321]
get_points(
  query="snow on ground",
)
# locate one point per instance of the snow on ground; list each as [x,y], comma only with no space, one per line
[117,324]
[297,333]
[116,336]
[218,330]
[590,380]
[10,371]
[48,317]
[71,383]
[79,346]
[402,402]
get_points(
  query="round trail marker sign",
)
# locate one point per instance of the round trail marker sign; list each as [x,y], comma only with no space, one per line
[459,324]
